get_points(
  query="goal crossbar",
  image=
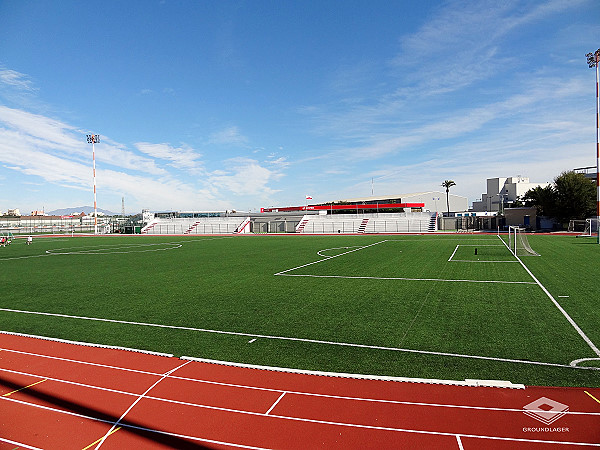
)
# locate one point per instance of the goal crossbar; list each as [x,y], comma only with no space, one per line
[518,244]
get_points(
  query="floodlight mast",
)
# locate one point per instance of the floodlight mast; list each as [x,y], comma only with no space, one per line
[593,59]
[94,139]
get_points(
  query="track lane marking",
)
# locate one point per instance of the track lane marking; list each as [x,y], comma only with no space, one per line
[165,375]
[98,440]
[24,387]
[275,403]
[19,444]
[134,427]
[322,422]
[300,393]
[592,396]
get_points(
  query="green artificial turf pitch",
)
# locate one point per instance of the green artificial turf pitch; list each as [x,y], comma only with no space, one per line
[412,306]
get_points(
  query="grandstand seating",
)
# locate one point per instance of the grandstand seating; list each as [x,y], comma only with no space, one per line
[369,223]
[309,224]
[210,225]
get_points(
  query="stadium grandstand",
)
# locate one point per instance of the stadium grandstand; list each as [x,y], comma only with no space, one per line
[330,218]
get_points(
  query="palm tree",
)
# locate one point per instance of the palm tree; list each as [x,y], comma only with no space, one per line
[448,184]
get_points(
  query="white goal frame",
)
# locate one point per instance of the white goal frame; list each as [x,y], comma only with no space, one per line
[518,244]
[591,228]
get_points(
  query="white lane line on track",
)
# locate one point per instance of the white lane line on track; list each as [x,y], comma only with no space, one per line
[459,442]
[165,375]
[19,444]
[134,427]
[314,421]
[300,393]
[275,403]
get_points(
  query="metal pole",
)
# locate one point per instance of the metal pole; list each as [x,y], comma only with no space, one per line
[597,58]
[93,139]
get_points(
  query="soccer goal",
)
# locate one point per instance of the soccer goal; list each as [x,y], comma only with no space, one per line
[591,228]
[518,243]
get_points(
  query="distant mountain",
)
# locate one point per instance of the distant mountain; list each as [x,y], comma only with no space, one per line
[77,210]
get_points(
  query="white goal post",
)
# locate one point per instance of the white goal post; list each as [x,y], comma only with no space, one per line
[591,228]
[518,244]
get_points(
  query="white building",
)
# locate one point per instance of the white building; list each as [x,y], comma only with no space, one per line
[501,191]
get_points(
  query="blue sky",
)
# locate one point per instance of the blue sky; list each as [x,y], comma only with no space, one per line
[214,105]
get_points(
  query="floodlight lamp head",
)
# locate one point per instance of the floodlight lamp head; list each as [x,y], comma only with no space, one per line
[593,58]
[93,138]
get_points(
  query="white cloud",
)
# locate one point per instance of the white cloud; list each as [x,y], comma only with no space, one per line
[16,80]
[228,136]
[183,157]
[244,176]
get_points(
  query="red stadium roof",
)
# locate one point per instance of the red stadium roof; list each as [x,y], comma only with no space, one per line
[344,207]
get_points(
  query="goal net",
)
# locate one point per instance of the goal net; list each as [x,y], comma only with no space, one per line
[591,228]
[518,243]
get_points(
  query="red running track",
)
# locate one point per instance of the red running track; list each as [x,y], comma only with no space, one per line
[63,396]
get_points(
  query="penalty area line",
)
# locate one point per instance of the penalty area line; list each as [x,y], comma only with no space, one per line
[560,308]
[305,340]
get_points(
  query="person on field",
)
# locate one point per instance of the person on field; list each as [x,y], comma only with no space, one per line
[29,240]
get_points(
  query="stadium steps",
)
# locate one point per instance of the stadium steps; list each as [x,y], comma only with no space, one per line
[363,225]
[191,228]
[148,227]
[301,225]
[433,223]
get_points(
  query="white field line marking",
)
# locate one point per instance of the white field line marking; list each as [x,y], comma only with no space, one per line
[472,261]
[19,444]
[275,404]
[335,248]
[401,278]
[284,272]
[452,255]
[299,393]
[299,419]
[331,257]
[560,308]
[311,341]
[88,344]
[459,442]
[165,375]
[134,427]
[108,251]
[51,253]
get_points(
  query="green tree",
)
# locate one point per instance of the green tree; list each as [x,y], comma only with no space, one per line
[575,196]
[448,184]
[543,198]
[571,196]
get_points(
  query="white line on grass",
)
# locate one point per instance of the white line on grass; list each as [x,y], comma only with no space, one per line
[473,261]
[401,278]
[285,272]
[560,308]
[331,257]
[303,340]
